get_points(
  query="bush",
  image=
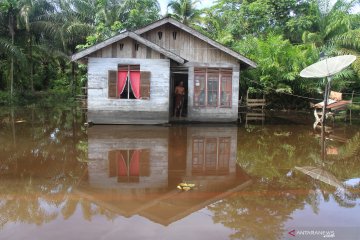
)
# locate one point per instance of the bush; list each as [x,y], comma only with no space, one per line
[4,98]
[48,98]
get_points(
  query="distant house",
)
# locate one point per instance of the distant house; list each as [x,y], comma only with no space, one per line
[132,76]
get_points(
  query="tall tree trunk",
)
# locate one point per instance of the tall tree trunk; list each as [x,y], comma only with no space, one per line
[31,64]
[73,78]
[12,33]
[13,126]
[12,78]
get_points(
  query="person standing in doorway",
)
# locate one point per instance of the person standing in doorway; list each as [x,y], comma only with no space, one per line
[179,98]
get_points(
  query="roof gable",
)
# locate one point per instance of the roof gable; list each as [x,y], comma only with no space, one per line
[198,35]
[121,36]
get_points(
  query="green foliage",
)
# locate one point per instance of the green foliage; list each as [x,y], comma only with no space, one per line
[279,63]
[352,149]
[282,37]
[5,98]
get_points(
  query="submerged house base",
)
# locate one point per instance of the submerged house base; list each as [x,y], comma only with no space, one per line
[132,77]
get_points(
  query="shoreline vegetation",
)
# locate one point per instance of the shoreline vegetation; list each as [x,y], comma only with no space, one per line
[48,98]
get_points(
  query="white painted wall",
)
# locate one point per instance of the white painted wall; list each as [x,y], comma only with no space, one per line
[105,110]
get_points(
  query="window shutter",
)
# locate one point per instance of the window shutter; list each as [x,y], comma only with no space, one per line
[112,82]
[112,163]
[145,85]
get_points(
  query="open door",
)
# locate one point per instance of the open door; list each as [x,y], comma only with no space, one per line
[178,76]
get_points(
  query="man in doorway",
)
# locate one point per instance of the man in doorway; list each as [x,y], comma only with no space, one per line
[179,98]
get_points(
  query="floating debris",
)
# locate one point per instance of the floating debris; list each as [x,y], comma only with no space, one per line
[284,134]
[82,160]
[185,186]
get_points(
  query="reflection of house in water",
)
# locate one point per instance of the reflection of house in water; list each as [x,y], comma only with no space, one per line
[135,170]
[121,155]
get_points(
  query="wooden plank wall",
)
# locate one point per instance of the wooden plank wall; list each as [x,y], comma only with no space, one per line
[127,51]
[213,132]
[101,109]
[102,139]
[188,46]
[212,114]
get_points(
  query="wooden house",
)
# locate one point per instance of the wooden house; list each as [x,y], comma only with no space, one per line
[132,76]
[154,168]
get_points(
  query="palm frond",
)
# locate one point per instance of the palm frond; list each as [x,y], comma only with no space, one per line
[11,50]
[352,148]
[349,39]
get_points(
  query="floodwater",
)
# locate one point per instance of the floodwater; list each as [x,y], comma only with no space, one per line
[62,180]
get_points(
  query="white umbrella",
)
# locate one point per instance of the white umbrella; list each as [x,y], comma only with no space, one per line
[322,175]
[327,67]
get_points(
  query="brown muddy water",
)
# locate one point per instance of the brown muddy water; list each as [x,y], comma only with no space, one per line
[62,180]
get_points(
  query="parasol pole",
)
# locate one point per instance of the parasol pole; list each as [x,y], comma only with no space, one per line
[323,119]
[326,96]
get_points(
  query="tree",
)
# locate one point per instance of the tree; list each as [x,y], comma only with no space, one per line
[68,27]
[134,14]
[10,10]
[330,21]
[184,11]
[279,64]
[348,43]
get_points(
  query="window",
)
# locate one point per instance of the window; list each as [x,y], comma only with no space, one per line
[128,82]
[212,87]
[136,46]
[211,156]
[129,165]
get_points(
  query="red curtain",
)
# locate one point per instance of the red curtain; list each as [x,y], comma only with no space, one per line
[122,77]
[135,163]
[122,168]
[135,83]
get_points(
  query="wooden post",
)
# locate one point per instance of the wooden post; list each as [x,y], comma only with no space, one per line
[352,98]
[327,88]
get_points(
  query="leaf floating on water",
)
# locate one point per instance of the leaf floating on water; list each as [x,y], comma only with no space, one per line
[82,160]
[284,134]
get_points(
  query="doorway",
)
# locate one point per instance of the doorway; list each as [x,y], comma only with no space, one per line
[176,78]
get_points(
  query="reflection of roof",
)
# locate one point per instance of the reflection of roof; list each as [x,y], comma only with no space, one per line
[181,204]
[162,206]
